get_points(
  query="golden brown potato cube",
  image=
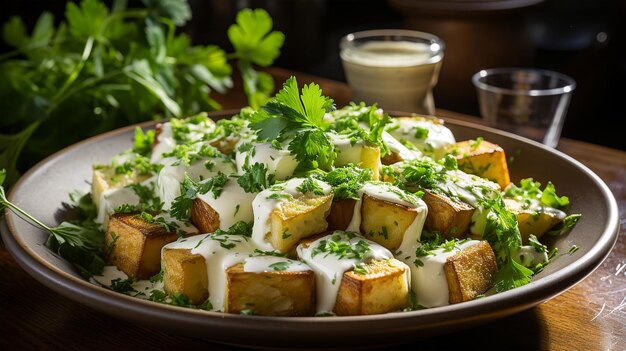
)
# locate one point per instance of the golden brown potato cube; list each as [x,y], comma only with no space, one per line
[340,215]
[134,245]
[298,218]
[276,293]
[383,289]
[185,273]
[204,217]
[470,272]
[385,222]
[105,178]
[370,159]
[484,159]
[532,222]
[450,218]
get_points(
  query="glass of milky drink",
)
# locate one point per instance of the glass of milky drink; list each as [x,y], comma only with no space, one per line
[396,69]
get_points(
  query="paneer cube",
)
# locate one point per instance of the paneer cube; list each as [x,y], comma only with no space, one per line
[482,158]
[272,293]
[134,245]
[470,272]
[186,274]
[383,289]
[448,217]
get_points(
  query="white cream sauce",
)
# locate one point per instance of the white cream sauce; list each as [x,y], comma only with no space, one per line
[527,256]
[116,197]
[329,268]
[260,264]
[388,192]
[434,145]
[233,204]
[173,173]
[280,163]
[396,147]
[346,151]
[217,258]
[429,281]
[264,204]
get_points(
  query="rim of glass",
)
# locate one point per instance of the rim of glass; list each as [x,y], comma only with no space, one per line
[568,87]
[351,37]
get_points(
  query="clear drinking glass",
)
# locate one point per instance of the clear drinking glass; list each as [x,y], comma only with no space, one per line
[528,102]
[395,68]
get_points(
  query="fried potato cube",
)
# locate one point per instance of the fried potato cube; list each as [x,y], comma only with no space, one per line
[450,218]
[385,222]
[532,222]
[204,217]
[275,293]
[186,274]
[470,272]
[484,159]
[370,159]
[134,245]
[298,218]
[383,289]
[105,178]
[340,215]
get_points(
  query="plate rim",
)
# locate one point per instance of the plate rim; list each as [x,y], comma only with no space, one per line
[471,312]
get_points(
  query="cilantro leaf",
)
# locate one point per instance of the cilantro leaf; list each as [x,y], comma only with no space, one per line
[252,38]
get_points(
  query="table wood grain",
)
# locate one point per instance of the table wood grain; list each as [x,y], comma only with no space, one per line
[589,316]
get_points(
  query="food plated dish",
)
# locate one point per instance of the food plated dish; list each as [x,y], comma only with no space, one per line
[556,277]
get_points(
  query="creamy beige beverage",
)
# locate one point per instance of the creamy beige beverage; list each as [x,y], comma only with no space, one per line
[397,75]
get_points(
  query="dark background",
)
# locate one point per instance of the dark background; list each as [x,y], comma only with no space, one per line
[585,39]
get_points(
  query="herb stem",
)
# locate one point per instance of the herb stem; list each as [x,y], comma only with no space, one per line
[21,213]
[79,67]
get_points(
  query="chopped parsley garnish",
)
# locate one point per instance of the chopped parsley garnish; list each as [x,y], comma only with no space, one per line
[189,190]
[122,285]
[336,245]
[421,133]
[280,266]
[309,185]
[360,269]
[347,181]
[254,179]
[143,142]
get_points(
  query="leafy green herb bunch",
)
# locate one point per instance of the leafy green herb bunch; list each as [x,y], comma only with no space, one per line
[102,68]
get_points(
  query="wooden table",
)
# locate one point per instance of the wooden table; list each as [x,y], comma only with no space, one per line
[590,316]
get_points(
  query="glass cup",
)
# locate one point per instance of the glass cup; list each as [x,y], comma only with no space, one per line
[525,101]
[396,69]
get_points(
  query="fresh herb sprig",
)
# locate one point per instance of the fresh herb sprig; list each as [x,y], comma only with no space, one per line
[299,116]
[79,243]
[102,68]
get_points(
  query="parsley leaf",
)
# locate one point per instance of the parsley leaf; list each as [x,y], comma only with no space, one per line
[189,190]
[253,39]
[302,113]
[254,179]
